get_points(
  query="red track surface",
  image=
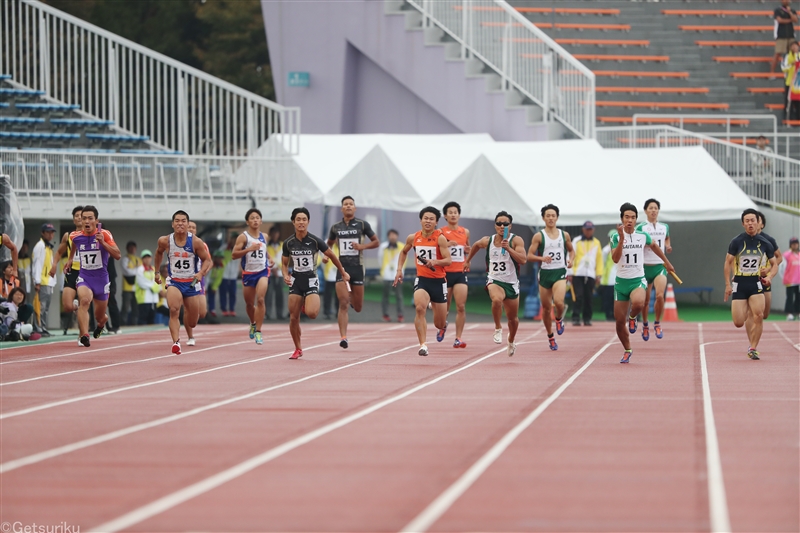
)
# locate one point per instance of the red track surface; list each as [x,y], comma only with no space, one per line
[622,448]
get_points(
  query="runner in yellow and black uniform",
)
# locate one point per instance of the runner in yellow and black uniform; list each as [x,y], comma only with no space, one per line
[69,294]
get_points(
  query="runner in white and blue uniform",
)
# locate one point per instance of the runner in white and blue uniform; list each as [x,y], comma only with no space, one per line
[251,247]
[183,282]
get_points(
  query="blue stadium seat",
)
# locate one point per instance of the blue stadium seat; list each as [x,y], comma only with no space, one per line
[48,107]
[80,122]
[149,152]
[115,137]
[21,120]
[3,105]
[38,135]
[20,92]
[82,150]
[5,76]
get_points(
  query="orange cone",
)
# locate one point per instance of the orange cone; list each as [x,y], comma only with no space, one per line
[670,307]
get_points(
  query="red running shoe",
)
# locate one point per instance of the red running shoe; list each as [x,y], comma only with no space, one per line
[176,348]
[297,354]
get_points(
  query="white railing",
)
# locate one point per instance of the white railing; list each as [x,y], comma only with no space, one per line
[179,107]
[522,54]
[167,180]
[767,178]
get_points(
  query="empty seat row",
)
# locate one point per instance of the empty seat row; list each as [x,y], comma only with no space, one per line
[19,92]
[664,105]
[47,107]
[21,120]
[694,27]
[116,137]
[716,13]
[38,135]
[674,121]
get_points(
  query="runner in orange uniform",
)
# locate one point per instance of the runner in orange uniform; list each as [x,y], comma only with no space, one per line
[457,288]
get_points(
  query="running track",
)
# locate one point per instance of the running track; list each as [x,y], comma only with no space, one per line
[230,436]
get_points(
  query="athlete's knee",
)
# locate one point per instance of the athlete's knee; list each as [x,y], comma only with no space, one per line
[512,320]
[344,303]
[85,301]
[738,322]
[461,308]
[659,298]
[312,313]
[357,307]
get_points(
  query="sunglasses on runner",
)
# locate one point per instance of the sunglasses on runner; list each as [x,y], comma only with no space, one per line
[502,223]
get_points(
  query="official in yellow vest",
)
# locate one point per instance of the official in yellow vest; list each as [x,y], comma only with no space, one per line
[43,283]
[587,267]
[130,266]
[148,292]
[388,252]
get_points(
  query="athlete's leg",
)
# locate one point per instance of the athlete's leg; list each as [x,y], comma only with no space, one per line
[261,304]
[421,301]
[637,301]
[739,312]
[100,317]
[767,303]
[512,312]
[312,306]
[559,291]
[459,292]
[68,299]
[621,318]
[756,305]
[344,306]
[191,310]
[249,295]
[357,297]
[174,301]
[85,297]
[497,295]
[295,305]
[546,297]
[660,283]
[646,308]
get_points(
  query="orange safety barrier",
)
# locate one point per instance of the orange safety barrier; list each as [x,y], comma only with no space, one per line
[741,59]
[754,75]
[792,122]
[775,107]
[734,44]
[569,10]
[715,13]
[616,57]
[657,90]
[602,42]
[666,140]
[727,28]
[663,105]
[765,90]
[748,142]
[665,120]
[574,26]
[640,74]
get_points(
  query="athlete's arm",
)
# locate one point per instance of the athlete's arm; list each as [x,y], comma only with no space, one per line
[338,264]
[287,279]
[537,240]
[163,245]
[110,247]
[660,253]
[570,250]
[401,260]
[668,245]
[373,243]
[727,270]
[238,248]
[201,252]
[62,248]
[8,243]
[517,251]
[482,243]
[616,253]
[466,246]
[446,259]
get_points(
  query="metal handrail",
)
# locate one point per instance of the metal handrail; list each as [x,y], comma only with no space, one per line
[142,91]
[524,56]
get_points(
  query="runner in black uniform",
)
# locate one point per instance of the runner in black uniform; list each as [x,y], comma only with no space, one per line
[762,223]
[745,261]
[350,232]
[301,249]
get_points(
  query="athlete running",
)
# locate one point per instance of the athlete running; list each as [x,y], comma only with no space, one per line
[430,285]
[71,269]
[302,249]
[251,247]
[184,281]
[553,248]
[457,288]
[505,252]
[654,271]
[762,223]
[746,275]
[92,245]
[202,303]
[349,232]
[627,251]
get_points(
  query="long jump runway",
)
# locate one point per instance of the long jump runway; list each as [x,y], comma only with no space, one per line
[231,436]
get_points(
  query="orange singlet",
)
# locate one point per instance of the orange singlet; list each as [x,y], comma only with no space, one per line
[428,247]
[457,252]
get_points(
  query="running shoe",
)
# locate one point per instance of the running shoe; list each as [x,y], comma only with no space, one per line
[553,345]
[430,305]
[753,354]
[298,353]
[626,358]
[232,313]
[190,342]
[498,336]
[632,324]
[212,313]
[512,347]
[657,329]
[252,331]
[75,305]
[84,341]
[459,344]
[176,348]
[98,330]
[259,340]
[225,313]
[440,333]
[645,331]
[560,325]
[343,343]
[423,349]
[400,318]
[386,318]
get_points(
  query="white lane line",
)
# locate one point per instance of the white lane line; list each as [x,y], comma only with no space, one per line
[68,448]
[423,521]
[717,500]
[68,401]
[68,372]
[201,487]
[796,346]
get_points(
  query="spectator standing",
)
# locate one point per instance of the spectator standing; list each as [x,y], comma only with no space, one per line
[608,279]
[148,292]
[275,288]
[388,252]
[230,273]
[586,268]
[43,283]
[791,278]
[761,169]
[785,19]
[214,281]
[162,309]
[130,265]
[789,66]
[112,325]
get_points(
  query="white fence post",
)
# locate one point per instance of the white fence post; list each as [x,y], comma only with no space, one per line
[44,56]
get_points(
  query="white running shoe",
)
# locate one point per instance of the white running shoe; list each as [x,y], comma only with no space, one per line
[512,347]
[498,336]
[190,342]
[423,349]
[75,305]
[790,316]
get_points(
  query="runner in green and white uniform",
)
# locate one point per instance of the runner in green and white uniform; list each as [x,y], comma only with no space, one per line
[553,248]
[503,258]
[654,271]
[627,250]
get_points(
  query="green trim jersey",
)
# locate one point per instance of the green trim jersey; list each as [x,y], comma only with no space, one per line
[556,249]
[749,253]
[499,266]
[631,264]
[659,232]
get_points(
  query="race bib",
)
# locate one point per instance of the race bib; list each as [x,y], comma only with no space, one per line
[346,247]
[457,253]
[303,263]
[91,260]
[313,283]
[749,265]
[425,252]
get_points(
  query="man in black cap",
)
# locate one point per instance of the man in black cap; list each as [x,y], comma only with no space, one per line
[43,282]
[586,269]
